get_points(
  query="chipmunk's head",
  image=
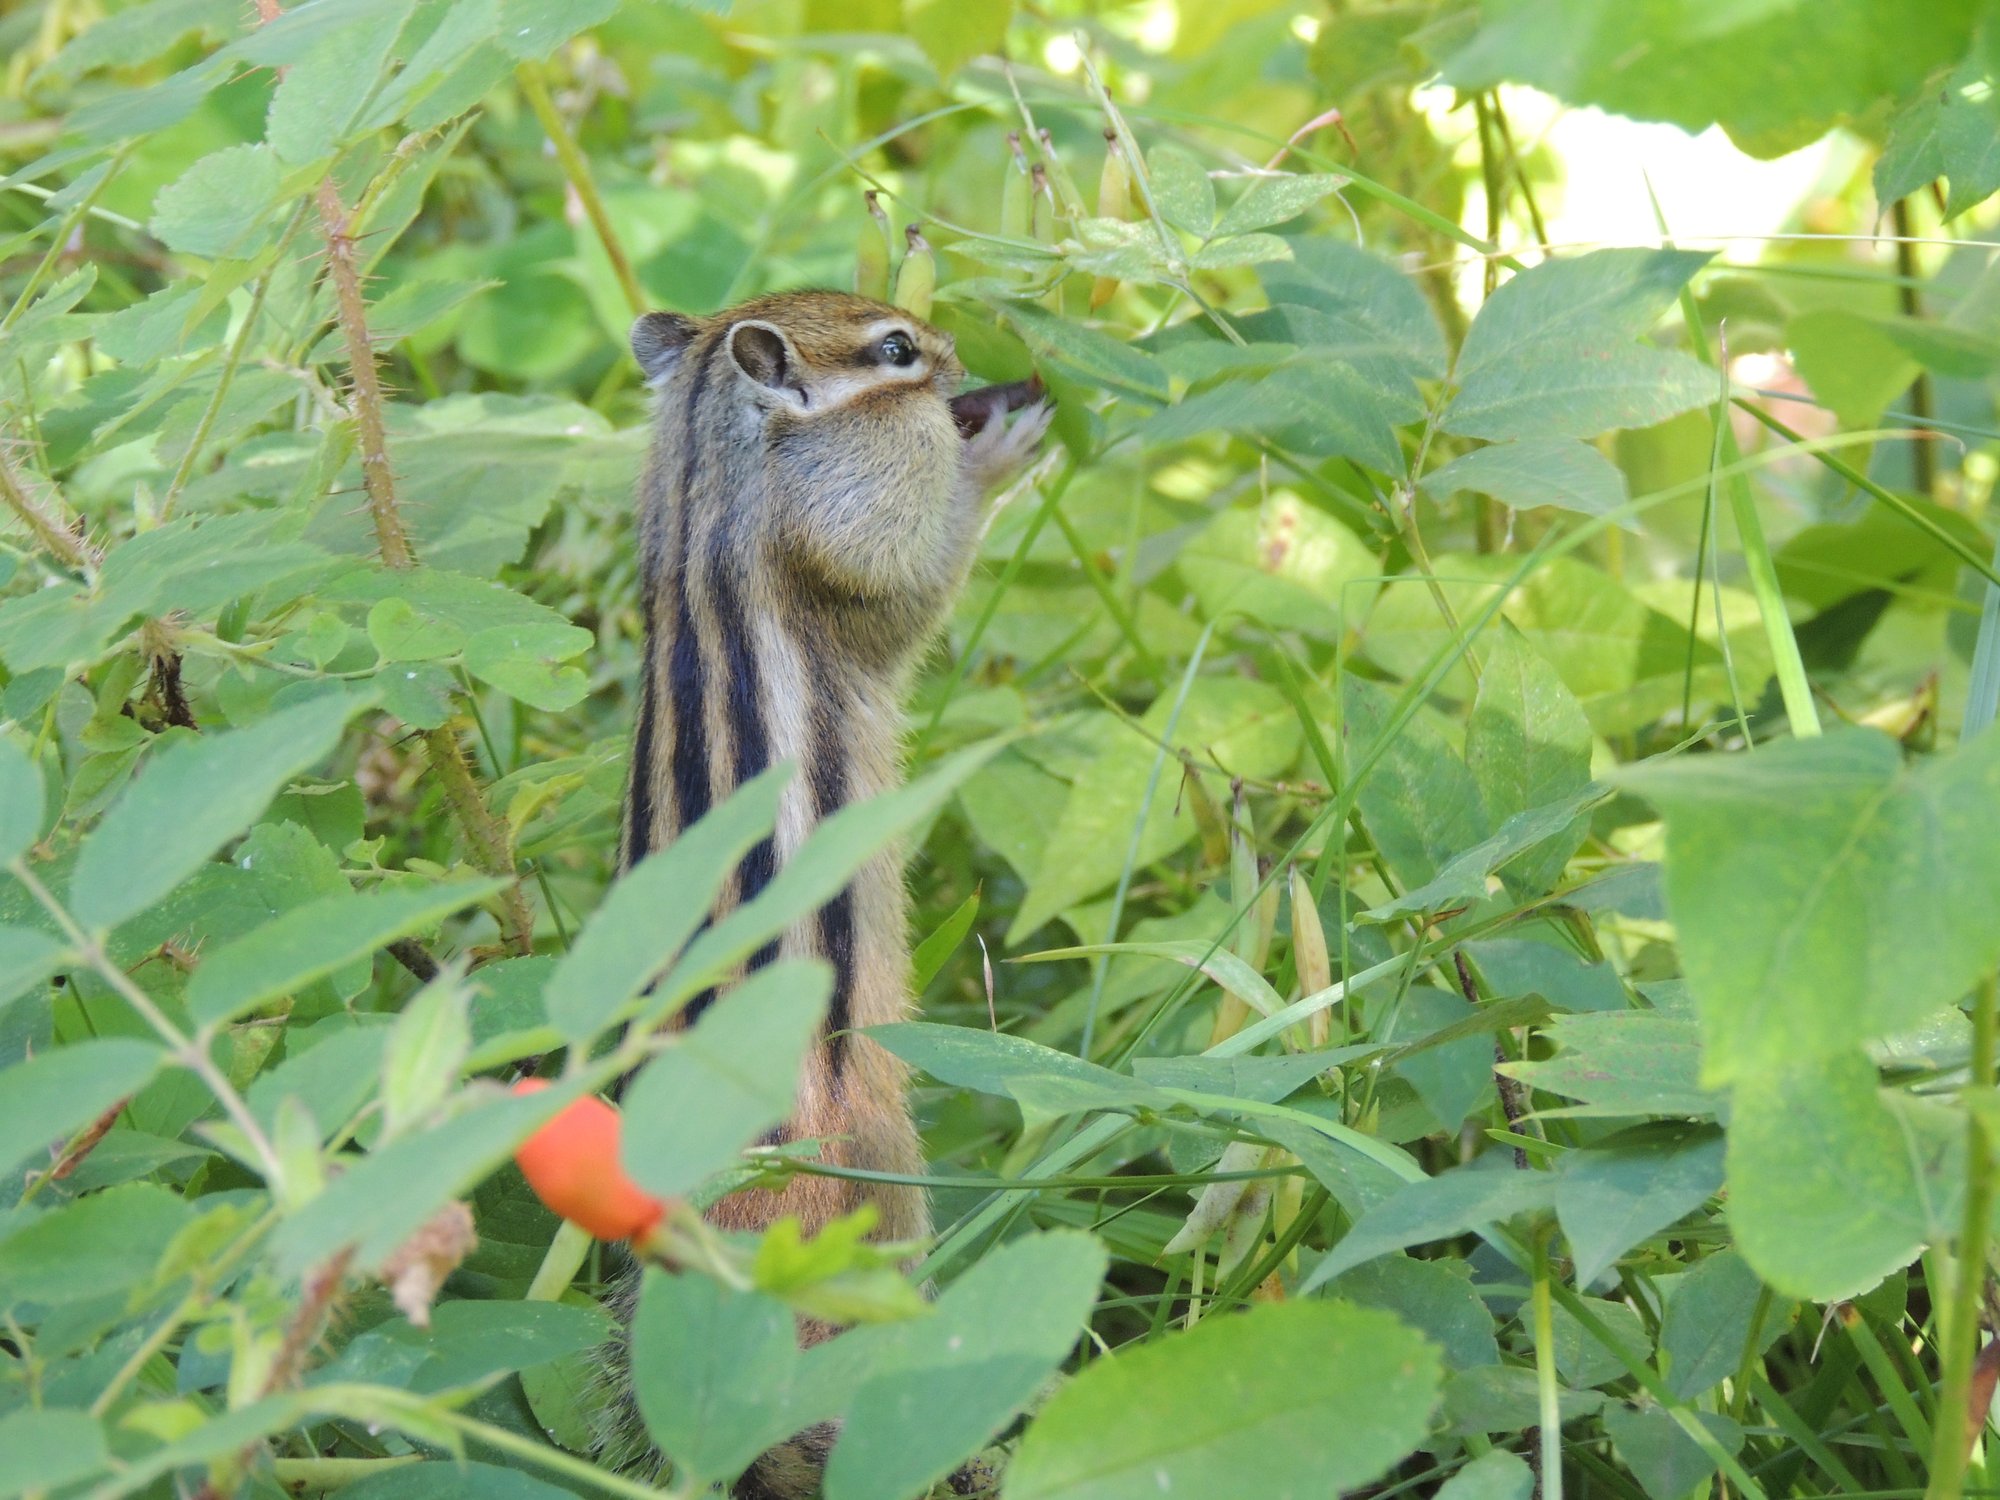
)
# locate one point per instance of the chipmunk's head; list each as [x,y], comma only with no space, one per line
[844,384]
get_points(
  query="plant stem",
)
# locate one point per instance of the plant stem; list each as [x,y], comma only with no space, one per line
[351,309]
[311,1475]
[576,168]
[1956,1425]
[189,1052]
[1548,1391]
[48,527]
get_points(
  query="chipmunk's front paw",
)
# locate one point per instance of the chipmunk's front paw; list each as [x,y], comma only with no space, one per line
[1000,449]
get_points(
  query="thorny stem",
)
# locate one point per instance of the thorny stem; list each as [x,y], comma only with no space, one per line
[49,528]
[576,168]
[189,1052]
[351,308]
[1957,1426]
[491,849]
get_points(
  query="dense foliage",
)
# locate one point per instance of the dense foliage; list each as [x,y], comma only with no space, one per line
[1455,861]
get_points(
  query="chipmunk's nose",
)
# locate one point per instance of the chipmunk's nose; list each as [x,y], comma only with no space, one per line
[975,411]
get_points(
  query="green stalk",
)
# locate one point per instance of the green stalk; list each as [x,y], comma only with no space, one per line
[576,168]
[1548,1391]
[1956,1429]
[1786,661]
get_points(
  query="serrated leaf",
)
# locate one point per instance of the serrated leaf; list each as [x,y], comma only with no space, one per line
[527,662]
[1856,932]
[193,797]
[533,29]
[1181,190]
[222,205]
[399,633]
[1533,471]
[1273,198]
[1321,1399]
[50,1097]
[938,1388]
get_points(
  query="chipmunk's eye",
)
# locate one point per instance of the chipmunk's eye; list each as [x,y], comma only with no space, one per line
[899,349]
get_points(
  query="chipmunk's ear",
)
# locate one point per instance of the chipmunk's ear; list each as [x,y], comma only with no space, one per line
[762,352]
[658,341]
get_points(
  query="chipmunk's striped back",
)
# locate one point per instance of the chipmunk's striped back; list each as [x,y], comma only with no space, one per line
[805,519]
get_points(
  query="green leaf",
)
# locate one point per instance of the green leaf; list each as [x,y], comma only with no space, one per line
[938,1388]
[1283,563]
[141,34]
[1622,1063]
[453,1479]
[952,33]
[1950,128]
[1301,1398]
[935,951]
[54,1095]
[1824,1196]
[1322,409]
[655,908]
[1181,190]
[1435,1297]
[221,206]
[1045,1082]
[1668,1463]
[1533,471]
[399,633]
[713,1371]
[427,1046]
[533,29]
[1697,64]
[23,801]
[468,1343]
[1609,1198]
[312,941]
[27,957]
[1247,726]
[1462,882]
[97,1246]
[1707,1322]
[196,795]
[44,1448]
[525,662]
[820,867]
[1527,744]
[1873,915]
[1242,250]
[726,1080]
[319,96]
[1096,357]
[1435,1208]
[1551,354]
[381,1200]
[1498,1475]
[1274,197]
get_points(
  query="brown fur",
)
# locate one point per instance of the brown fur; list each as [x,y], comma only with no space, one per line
[806,516]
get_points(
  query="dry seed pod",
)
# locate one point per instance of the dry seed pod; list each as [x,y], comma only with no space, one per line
[1114,201]
[1217,1201]
[916,277]
[1309,957]
[871,251]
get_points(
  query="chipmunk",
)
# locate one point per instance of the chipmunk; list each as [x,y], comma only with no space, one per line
[807,515]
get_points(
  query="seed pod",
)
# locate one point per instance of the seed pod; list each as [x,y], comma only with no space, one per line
[1067,197]
[1114,201]
[1216,1202]
[1309,957]
[916,277]
[871,251]
[1014,207]
[572,1164]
